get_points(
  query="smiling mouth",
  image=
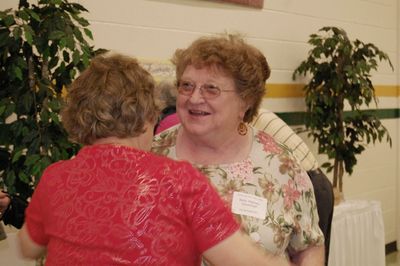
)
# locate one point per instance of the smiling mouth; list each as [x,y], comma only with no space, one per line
[198,113]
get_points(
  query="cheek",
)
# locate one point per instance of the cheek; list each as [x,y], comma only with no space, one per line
[180,102]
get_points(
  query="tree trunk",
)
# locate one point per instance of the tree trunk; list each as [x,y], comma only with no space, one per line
[341,172]
[335,174]
[31,75]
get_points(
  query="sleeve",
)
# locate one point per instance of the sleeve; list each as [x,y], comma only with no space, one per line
[35,214]
[210,220]
[15,213]
[305,213]
[271,124]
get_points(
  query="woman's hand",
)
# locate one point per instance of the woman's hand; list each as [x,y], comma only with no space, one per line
[311,256]
[4,202]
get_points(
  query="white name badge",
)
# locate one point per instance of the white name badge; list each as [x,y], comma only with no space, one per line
[250,205]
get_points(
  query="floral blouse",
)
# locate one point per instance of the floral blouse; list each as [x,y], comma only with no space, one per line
[269,193]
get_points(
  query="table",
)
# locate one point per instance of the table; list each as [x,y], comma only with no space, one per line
[9,254]
[358,235]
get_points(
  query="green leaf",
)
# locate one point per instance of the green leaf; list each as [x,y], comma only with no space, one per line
[2,109]
[28,32]
[56,35]
[83,22]
[16,156]
[33,14]
[23,14]
[32,159]
[27,101]
[70,43]
[76,57]
[44,116]
[326,165]
[17,72]
[78,35]
[79,7]
[54,117]
[10,180]
[24,177]
[17,33]
[88,33]
[54,105]
[66,56]
[4,37]
[85,59]
[72,73]
[57,2]
[63,42]
[8,20]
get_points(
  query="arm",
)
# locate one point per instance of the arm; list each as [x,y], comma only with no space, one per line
[311,256]
[28,248]
[238,249]
[4,203]
[12,209]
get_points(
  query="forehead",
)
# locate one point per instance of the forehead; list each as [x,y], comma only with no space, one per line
[210,71]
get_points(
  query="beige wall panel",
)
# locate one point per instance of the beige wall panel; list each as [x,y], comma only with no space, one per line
[8,4]
[389,102]
[215,18]
[342,10]
[376,156]
[272,32]
[284,104]
[397,198]
[144,43]
[370,180]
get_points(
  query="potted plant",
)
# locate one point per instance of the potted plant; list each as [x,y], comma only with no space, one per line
[42,48]
[339,72]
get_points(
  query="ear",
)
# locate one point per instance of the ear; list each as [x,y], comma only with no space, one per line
[243,109]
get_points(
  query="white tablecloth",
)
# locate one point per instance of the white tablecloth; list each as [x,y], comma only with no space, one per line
[358,235]
[8,252]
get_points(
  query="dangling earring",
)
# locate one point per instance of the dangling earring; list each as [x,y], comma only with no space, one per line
[242,128]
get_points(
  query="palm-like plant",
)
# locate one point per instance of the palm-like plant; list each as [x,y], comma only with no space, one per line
[42,48]
[339,71]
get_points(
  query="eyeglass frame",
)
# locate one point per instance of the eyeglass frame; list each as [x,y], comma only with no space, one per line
[202,89]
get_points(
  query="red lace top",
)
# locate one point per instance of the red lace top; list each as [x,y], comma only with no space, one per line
[114,205]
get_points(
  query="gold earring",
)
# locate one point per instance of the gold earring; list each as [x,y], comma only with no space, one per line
[242,128]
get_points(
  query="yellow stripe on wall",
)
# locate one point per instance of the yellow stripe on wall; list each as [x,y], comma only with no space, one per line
[387,91]
[284,91]
[296,91]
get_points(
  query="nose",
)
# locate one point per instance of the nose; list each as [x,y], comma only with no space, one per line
[196,96]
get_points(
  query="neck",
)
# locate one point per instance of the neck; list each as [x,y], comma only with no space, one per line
[129,142]
[198,150]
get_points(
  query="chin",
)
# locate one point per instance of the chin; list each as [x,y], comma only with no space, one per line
[195,129]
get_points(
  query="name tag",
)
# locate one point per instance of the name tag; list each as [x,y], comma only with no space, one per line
[250,205]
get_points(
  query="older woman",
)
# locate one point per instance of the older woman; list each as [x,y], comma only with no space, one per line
[221,83]
[115,203]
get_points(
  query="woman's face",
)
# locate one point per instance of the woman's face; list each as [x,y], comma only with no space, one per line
[201,116]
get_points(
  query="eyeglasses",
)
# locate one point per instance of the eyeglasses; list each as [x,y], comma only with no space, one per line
[208,91]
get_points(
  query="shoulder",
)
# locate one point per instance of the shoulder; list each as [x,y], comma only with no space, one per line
[164,141]
[277,155]
[175,168]
[55,168]
[268,143]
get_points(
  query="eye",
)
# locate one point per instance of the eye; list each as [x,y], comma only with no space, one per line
[211,89]
[186,85]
